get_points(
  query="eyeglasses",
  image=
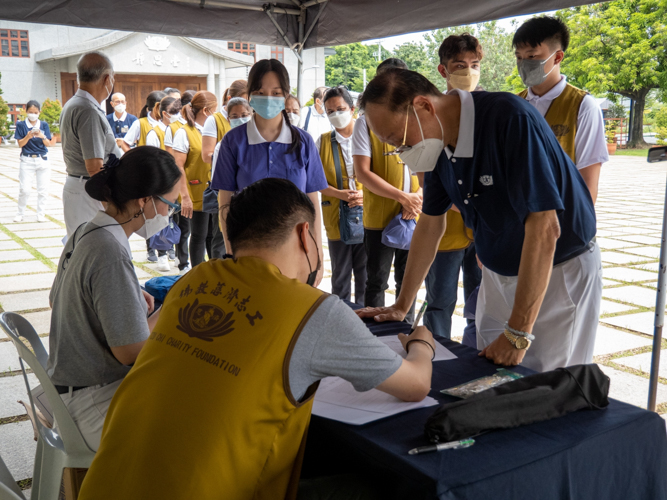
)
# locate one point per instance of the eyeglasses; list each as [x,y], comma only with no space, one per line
[174,208]
[403,147]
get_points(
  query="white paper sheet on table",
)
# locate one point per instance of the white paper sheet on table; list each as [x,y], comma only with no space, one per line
[336,399]
[441,352]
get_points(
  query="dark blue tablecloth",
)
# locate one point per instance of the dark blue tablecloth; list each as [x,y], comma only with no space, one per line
[617,453]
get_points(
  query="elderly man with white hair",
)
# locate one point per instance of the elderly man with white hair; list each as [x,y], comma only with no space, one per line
[120,120]
[87,138]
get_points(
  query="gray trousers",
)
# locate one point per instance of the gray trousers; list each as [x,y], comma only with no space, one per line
[346,259]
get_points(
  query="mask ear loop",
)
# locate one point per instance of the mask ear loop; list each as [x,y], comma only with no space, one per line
[418,123]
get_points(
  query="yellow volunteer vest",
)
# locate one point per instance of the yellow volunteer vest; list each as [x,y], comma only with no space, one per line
[378,211]
[562,116]
[222,125]
[195,169]
[160,136]
[206,412]
[144,128]
[174,127]
[331,210]
[457,236]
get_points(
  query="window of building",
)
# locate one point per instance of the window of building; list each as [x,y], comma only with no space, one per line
[243,48]
[14,43]
[278,53]
[14,111]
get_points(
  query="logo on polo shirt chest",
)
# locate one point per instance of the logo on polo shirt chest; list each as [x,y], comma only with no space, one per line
[486,180]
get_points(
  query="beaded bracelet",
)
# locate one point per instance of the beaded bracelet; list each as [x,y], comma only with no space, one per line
[423,342]
[519,332]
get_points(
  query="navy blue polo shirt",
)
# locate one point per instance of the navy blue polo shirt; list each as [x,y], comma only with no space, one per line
[120,127]
[510,165]
[34,146]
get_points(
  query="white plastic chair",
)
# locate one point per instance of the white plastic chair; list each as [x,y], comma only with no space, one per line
[9,490]
[56,449]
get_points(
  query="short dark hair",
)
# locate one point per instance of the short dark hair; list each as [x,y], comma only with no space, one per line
[171,90]
[396,88]
[339,91]
[392,62]
[170,105]
[32,103]
[454,45]
[543,29]
[186,97]
[264,213]
[141,172]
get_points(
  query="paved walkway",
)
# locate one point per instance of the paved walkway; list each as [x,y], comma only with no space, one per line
[629,213]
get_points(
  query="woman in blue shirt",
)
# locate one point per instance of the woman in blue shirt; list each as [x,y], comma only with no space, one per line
[269,146]
[33,135]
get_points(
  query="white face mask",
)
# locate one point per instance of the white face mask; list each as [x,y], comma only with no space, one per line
[152,226]
[33,117]
[235,122]
[294,119]
[340,119]
[119,108]
[423,156]
[174,118]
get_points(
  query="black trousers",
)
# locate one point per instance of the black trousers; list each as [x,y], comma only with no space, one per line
[205,237]
[344,260]
[378,267]
[182,248]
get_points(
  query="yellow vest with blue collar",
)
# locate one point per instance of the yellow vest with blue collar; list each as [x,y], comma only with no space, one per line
[144,128]
[222,125]
[330,204]
[197,172]
[378,210]
[207,411]
[562,116]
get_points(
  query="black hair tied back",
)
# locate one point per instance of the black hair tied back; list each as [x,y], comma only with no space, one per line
[141,172]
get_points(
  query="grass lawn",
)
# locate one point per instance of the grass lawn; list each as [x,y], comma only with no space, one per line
[632,152]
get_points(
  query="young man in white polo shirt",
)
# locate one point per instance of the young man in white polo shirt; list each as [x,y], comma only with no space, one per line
[573,115]
[313,118]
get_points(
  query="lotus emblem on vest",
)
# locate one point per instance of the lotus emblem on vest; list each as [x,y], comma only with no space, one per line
[204,321]
[560,130]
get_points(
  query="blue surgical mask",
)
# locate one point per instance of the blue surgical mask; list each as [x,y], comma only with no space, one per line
[267,106]
[235,122]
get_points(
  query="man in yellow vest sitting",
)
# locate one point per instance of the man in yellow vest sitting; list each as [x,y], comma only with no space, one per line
[573,115]
[218,402]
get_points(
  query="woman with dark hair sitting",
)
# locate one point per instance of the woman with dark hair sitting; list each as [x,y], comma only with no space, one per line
[100,314]
[269,146]
[33,136]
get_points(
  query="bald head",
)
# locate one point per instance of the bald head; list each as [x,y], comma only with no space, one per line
[118,97]
[93,67]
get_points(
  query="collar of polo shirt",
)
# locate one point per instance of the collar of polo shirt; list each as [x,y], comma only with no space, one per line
[116,230]
[122,117]
[554,92]
[87,95]
[254,137]
[466,139]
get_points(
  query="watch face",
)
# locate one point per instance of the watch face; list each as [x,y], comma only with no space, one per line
[522,343]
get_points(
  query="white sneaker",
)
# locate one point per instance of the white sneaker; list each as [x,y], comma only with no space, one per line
[163,263]
[18,218]
[184,271]
[42,218]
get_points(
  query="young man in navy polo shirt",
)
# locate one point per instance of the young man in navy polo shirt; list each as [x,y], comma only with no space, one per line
[120,120]
[495,157]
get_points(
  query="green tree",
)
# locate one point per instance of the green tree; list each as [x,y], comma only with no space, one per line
[619,47]
[51,114]
[4,115]
[415,56]
[346,66]
[498,61]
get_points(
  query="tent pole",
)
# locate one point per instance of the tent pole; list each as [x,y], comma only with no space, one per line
[299,67]
[661,295]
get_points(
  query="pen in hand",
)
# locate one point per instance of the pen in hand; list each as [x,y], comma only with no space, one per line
[419,316]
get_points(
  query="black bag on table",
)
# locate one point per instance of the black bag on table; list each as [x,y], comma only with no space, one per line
[531,399]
